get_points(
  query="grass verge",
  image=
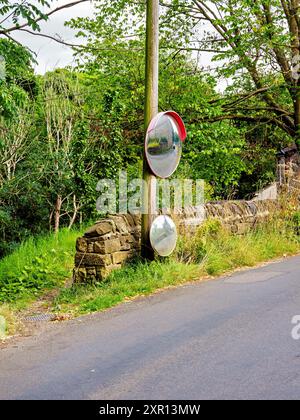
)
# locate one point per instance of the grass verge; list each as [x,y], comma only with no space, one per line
[211,252]
[41,265]
[37,266]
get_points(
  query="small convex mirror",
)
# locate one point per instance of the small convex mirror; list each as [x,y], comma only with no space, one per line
[163,144]
[163,236]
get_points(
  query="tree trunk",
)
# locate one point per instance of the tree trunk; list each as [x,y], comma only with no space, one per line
[297,116]
[76,208]
[57,213]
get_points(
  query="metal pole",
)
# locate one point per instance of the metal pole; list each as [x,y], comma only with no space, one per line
[151,110]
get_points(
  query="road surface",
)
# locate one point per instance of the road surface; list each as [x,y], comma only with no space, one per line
[223,339]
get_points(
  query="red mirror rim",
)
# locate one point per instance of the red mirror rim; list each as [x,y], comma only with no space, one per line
[176,117]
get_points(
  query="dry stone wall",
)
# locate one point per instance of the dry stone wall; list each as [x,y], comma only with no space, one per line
[288,171]
[237,216]
[113,241]
[106,246]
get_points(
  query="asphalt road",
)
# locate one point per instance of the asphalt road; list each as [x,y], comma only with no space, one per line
[223,339]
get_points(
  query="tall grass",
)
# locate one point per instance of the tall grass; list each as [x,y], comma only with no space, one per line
[38,264]
[210,252]
[134,280]
[219,251]
[46,262]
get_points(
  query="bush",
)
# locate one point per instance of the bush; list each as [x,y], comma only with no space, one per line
[296,222]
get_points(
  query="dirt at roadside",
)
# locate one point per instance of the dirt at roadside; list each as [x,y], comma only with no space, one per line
[28,328]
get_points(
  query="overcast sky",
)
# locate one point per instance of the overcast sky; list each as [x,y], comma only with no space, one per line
[51,54]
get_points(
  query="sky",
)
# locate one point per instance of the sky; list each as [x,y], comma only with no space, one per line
[51,54]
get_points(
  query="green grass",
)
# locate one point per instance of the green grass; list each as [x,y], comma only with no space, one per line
[134,280]
[230,253]
[37,265]
[211,252]
[42,264]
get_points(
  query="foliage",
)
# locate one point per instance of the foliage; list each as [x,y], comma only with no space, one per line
[19,84]
[257,45]
[296,222]
[30,12]
[45,263]
[37,265]
[62,132]
[220,251]
[183,87]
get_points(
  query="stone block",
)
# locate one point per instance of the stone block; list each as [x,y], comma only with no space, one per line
[121,223]
[102,238]
[130,220]
[91,271]
[81,245]
[103,272]
[107,247]
[92,260]
[124,238]
[126,246]
[90,248]
[120,257]
[126,242]
[79,275]
[101,228]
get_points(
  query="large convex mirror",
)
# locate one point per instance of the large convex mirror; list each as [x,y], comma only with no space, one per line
[163,144]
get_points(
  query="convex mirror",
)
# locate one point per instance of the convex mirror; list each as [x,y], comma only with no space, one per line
[163,235]
[163,144]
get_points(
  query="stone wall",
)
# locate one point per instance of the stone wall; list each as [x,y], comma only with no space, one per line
[106,246]
[288,170]
[238,217]
[113,241]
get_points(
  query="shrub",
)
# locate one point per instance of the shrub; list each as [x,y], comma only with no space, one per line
[296,222]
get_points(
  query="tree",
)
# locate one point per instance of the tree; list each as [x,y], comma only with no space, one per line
[60,110]
[259,44]
[14,143]
[18,82]
[114,61]
[26,16]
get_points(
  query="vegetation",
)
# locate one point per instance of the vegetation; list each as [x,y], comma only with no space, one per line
[46,184]
[40,266]
[37,265]
[62,132]
[212,252]
[258,42]
[26,16]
